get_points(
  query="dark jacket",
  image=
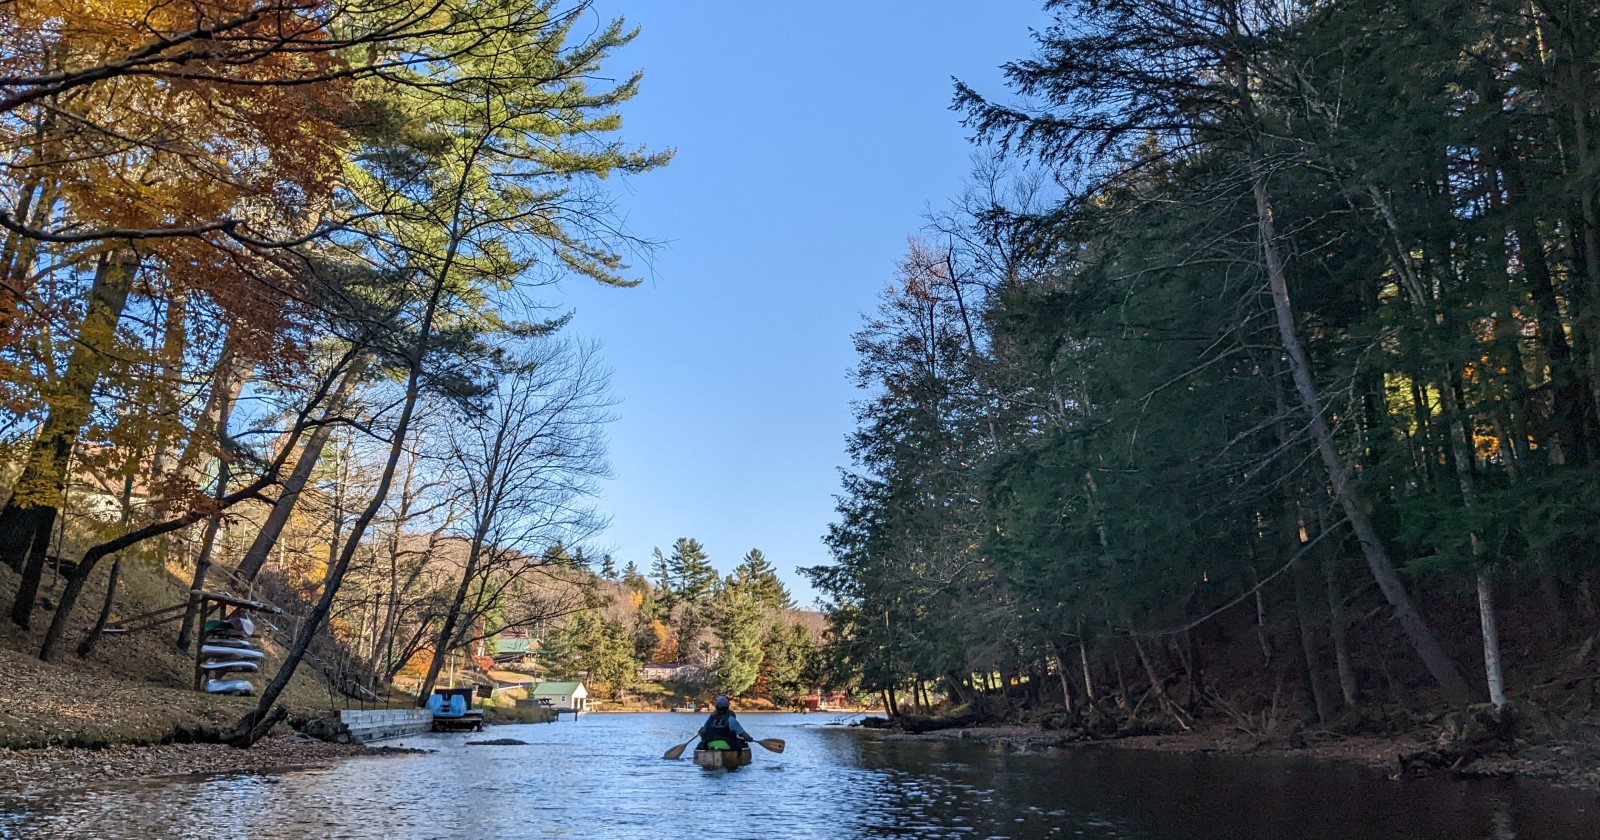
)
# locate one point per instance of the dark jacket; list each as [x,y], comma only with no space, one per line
[723,726]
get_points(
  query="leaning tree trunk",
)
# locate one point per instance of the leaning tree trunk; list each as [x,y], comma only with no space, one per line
[1460,446]
[442,642]
[254,726]
[202,561]
[267,537]
[1434,658]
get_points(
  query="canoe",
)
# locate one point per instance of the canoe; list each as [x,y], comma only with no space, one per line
[725,759]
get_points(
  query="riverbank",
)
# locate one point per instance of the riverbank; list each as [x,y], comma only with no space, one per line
[1569,757]
[86,704]
[35,770]
[135,689]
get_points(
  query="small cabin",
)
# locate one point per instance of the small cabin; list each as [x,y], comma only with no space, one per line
[561,696]
[818,700]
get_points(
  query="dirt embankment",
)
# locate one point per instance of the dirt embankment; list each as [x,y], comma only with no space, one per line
[135,688]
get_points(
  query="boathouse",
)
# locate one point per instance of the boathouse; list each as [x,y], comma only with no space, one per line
[561,696]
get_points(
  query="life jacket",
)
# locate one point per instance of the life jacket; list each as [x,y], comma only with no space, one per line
[717,729]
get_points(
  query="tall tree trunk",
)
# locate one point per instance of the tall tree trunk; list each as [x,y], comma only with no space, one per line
[1305,606]
[1122,680]
[1488,625]
[1427,646]
[228,379]
[381,658]
[256,556]
[1570,389]
[1336,621]
[1061,675]
[1460,444]
[1565,54]
[29,515]
[202,561]
[175,341]
[389,611]
[254,726]
[1083,660]
[446,636]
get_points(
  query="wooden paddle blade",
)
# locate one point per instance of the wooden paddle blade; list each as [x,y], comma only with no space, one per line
[676,752]
[774,744]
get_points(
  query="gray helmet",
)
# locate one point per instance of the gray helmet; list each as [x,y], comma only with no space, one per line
[721,701]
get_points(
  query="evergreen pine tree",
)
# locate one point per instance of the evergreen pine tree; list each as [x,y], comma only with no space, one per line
[760,577]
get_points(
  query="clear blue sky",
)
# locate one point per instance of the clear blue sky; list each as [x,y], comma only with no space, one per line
[812,139]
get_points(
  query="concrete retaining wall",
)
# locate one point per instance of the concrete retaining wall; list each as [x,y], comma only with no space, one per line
[377,724]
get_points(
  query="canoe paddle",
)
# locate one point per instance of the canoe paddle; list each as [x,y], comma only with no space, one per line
[677,752]
[774,744]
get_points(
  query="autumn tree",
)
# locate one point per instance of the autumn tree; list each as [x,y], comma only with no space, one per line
[482,190]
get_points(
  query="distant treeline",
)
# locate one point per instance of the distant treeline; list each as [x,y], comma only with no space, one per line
[739,632]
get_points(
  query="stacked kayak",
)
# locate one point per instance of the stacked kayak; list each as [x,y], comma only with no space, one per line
[228,649]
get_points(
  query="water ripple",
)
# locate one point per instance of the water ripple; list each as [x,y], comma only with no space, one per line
[603,778]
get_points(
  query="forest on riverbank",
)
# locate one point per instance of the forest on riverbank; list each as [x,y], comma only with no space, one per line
[1254,378]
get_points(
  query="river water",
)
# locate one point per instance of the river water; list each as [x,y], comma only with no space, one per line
[603,777]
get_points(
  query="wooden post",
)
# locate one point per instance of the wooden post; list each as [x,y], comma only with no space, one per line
[202,610]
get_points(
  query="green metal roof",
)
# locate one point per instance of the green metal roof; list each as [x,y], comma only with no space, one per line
[556,687]
[514,645]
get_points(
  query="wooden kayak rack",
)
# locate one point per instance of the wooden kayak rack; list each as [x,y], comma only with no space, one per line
[224,606]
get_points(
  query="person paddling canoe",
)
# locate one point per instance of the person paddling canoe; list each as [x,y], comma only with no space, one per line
[722,730]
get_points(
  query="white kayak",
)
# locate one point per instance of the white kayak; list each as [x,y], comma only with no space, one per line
[227,640]
[230,651]
[245,665]
[230,687]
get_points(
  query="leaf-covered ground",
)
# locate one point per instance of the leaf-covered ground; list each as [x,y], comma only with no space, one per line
[134,688]
[52,705]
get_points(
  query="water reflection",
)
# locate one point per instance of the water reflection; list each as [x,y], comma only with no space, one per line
[602,777]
